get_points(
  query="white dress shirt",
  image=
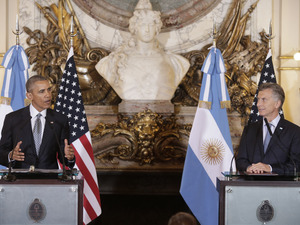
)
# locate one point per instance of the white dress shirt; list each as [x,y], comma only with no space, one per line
[273,127]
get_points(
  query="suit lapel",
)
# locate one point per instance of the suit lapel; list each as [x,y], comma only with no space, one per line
[27,124]
[260,139]
[26,130]
[279,128]
[47,132]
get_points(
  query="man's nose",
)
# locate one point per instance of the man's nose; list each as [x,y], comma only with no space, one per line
[48,93]
[258,103]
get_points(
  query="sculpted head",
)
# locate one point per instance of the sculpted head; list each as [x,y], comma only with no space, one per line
[145,23]
[135,68]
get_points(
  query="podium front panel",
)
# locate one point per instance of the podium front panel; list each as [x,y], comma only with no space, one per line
[245,205]
[38,204]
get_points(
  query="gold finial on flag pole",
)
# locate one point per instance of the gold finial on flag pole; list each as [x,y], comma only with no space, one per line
[17,32]
[214,34]
[76,21]
[72,32]
[269,36]
[17,22]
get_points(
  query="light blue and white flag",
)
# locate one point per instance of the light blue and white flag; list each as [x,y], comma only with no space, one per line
[13,92]
[210,149]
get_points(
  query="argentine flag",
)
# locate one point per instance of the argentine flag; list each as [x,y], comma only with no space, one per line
[210,149]
[13,93]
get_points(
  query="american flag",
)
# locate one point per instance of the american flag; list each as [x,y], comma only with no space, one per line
[69,102]
[267,76]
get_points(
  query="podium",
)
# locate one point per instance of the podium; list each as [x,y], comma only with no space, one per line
[245,200]
[40,198]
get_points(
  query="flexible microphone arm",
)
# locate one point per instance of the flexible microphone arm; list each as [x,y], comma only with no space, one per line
[9,176]
[233,157]
[64,176]
[269,130]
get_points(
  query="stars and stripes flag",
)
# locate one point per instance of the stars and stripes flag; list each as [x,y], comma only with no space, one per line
[69,102]
[13,93]
[210,149]
[267,76]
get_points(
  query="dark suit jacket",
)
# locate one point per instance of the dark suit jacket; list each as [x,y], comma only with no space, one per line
[17,127]
[283,152]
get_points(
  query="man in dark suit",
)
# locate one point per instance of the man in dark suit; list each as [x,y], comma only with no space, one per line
[281,154]
[20,129]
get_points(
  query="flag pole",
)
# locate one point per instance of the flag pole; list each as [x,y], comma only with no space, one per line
[214,34]
[78,25]
[70,95]
[72,34]
[269,36]
[17,32]
[267,75]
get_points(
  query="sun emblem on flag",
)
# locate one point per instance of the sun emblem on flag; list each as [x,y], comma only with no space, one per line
[212,151]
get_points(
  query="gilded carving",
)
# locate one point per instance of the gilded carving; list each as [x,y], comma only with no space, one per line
[145,137]
[48,52]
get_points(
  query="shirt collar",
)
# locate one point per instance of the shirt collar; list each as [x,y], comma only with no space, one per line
[274,122]
[34,112]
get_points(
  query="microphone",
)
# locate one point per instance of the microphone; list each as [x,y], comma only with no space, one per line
[280,146]
[233,157]
[9,176]
[64,176]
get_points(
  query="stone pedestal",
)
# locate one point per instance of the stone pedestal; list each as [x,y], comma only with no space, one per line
[158,106]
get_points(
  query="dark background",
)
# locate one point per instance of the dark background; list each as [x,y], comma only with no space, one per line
[139,197]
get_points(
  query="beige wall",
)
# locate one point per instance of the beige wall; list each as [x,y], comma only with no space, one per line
[3,38]
[8,11]
[287,42]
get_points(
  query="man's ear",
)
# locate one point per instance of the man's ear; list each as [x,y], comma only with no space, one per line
[278,104]
[29,95]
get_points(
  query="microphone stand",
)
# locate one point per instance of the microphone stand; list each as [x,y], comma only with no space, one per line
[9,176]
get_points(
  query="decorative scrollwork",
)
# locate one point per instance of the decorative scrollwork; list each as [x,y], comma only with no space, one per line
[48,52]
[145,137]
[95,54]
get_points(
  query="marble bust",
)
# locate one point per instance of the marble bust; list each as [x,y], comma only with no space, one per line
[140,69]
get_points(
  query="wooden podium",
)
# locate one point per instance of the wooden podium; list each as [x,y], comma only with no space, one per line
[41,199]
[247,200]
